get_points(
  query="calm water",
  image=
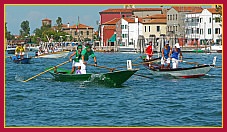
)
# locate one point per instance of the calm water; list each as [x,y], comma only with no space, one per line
[156,101]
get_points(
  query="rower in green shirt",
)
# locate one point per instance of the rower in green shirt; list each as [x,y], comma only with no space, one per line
[85,56]
[76,60]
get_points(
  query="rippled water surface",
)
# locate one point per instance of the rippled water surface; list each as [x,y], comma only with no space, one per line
[140,101]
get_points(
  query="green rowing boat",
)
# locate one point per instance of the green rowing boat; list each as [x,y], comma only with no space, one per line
[115,78]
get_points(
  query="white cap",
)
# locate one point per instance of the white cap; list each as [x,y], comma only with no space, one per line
[177,45]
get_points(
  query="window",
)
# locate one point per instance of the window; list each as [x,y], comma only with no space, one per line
[158,28]
[176,16]
[173,16]
[209,30]
[124,35]
[125,26]
[201,20]
[87,32]
[149,28]
[176,28]
[197,30]
[145,30]
[217,19]
[210,19]
[197,20]
[168,17]
[217,30]
[122,26]
[201,31]
[192,30]
[75,32]
[81,32]
[187,31]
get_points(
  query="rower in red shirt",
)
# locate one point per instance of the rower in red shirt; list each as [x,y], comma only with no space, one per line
[149,51]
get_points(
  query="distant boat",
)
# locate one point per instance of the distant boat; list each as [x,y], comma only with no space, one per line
[198,51]
[213,48]
[59,54]
[11,49]
[126,49]
[18,60]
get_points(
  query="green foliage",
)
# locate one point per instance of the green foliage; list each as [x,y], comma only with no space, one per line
[219,10]
[59,23]
[25,29]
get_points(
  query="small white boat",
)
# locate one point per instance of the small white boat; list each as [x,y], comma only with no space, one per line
[61,54]
[189,72]
[214,48]
[11,50]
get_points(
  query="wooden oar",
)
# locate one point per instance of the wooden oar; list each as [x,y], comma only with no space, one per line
[218,67]
[196,63]
[46,71]
[111,69]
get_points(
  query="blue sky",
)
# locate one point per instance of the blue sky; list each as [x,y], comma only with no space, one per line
[88,14]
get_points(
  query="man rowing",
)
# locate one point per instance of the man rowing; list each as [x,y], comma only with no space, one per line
[149,51]
[76,60]
[85,54]
[166,52]
[175,53]
[19,51]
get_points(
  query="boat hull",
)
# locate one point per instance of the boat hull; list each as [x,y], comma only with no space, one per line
[21,61]
[54,55]
[11,50]
[191,72]
[116,78]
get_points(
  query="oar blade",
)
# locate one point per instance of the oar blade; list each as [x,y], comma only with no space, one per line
[45,71]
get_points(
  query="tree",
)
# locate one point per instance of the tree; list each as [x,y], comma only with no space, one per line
[6,30]
[219,10]
[8,35]
[59,23]
[25,29]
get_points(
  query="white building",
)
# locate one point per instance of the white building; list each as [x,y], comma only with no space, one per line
[210,25]
[128,30]
[203,26]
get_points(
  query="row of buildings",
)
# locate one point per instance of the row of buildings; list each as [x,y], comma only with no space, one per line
[187,25]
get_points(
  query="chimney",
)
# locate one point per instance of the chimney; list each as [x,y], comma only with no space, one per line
[68,25]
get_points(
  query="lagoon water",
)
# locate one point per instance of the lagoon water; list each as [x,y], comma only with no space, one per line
[139,102]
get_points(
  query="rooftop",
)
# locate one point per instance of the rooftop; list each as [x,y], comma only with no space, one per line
[129,10]
[156,21]
[112,22]
[156,16]
[212,10]
[195,9]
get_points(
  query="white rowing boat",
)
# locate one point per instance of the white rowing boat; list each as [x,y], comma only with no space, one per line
[189,72]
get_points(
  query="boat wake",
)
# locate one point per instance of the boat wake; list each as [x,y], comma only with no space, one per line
[19,78]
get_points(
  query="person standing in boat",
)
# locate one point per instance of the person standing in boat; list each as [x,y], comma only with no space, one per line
[166,53]
[20,51]
[76,60]
[85,56]
[175,53]
[149,51]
